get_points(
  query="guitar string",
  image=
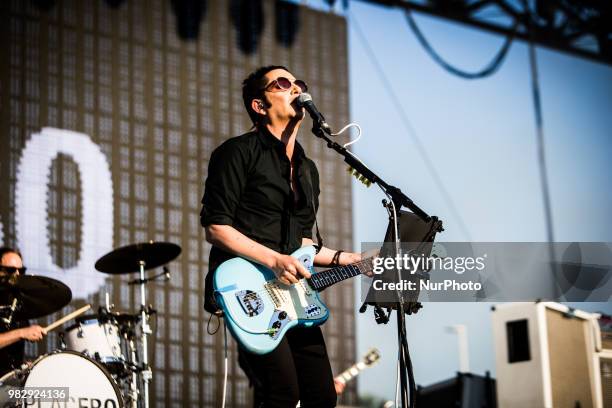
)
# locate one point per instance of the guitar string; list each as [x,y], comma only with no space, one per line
[364,261]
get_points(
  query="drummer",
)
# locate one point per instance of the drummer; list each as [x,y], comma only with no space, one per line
[12,338]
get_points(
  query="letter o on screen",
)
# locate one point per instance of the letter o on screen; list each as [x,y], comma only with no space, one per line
[31,219]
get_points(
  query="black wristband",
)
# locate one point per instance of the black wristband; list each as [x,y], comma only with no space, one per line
[336,259]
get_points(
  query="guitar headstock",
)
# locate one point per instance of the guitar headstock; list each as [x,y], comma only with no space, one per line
[371,357]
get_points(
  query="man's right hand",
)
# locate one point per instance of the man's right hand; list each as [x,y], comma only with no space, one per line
[32,333]
[289,270]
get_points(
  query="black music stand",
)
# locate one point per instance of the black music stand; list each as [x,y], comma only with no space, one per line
[416,237]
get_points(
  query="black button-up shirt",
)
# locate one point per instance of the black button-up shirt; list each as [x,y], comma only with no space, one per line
[11,356]
[249,188]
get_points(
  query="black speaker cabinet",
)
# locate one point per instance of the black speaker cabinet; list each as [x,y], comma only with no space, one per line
[463,391]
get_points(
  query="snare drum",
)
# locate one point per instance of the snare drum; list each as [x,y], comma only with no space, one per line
[98,338]
[86,381]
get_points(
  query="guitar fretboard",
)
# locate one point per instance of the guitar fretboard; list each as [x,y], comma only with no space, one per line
[325,279]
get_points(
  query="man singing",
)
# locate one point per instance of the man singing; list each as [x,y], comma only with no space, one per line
[260,201]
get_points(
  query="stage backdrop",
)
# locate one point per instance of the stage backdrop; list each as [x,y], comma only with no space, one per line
[108,119]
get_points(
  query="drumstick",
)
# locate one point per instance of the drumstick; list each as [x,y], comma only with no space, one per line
[66,318]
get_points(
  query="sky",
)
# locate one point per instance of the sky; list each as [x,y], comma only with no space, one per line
[480,139]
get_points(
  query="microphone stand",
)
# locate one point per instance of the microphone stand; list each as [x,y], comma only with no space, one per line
[12,308]
[398,200]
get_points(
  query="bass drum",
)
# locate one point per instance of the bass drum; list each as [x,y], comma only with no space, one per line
[87,382]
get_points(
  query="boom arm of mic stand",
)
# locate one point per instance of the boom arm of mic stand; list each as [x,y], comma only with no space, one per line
[399,198]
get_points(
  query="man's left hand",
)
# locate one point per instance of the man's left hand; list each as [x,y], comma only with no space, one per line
[339,386]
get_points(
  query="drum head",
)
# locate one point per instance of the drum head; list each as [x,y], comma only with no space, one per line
[88,382]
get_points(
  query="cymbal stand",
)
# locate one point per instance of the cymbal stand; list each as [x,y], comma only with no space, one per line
[147,374]
[134,393]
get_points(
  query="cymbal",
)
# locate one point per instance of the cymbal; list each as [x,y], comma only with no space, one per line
[127,259]
[38,295]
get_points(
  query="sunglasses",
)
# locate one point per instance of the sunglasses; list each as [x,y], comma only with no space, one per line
[282,84]
[12,269]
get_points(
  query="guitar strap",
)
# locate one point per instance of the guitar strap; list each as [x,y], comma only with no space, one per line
[319,237]
[319,244]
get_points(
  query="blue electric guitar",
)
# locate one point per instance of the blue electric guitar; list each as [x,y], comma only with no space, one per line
[259,309]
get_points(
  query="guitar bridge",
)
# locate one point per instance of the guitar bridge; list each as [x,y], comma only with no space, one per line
[251,302]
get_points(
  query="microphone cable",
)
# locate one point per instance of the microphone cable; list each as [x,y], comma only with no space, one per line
[355,125]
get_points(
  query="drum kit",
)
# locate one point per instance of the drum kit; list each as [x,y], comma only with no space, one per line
[102,360]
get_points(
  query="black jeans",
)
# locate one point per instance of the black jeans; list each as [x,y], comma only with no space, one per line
[298,369]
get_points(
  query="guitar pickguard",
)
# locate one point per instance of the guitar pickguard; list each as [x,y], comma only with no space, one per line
[278,321]
[306,260]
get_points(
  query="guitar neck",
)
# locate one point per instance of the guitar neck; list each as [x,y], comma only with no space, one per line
[324,279]
[352,372]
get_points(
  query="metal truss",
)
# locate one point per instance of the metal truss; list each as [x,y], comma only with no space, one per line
[579,27]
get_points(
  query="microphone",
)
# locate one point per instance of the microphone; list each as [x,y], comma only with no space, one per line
[305,101]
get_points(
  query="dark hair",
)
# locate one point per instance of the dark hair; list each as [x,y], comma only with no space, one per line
[252,88]
[8,250]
